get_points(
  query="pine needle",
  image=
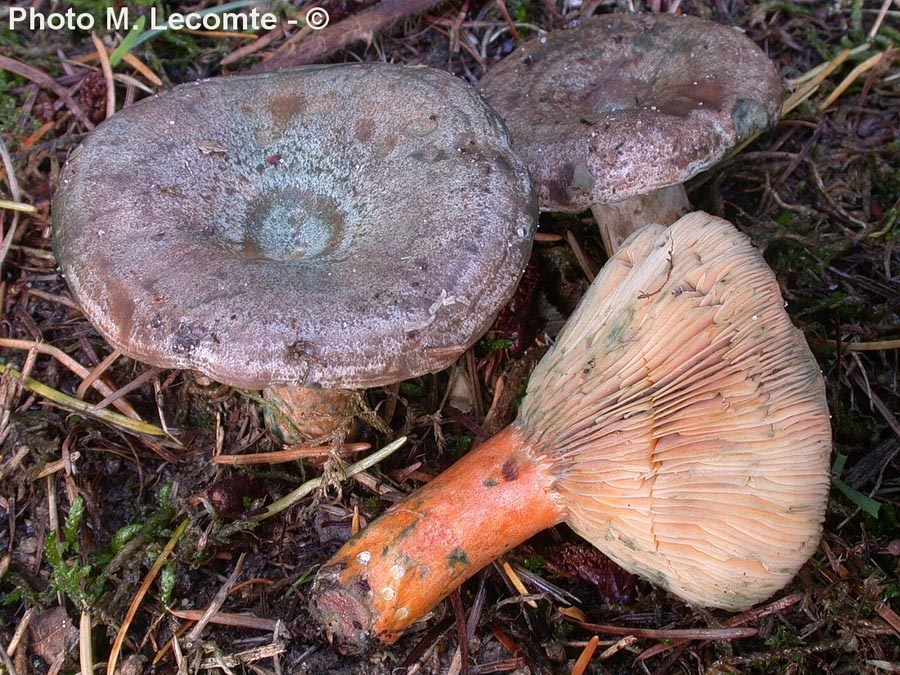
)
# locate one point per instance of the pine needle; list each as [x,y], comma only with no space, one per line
[17,206]
[866,65]
[299,493]
[582,663]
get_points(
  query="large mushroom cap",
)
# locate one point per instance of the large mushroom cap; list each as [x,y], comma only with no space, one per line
[343,226]
[627,103]
[689,436]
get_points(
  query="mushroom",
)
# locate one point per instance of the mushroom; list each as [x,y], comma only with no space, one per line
[616,113]
[678,423]
[336,227]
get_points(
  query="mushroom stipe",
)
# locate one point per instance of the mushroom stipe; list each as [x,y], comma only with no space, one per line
[679,423]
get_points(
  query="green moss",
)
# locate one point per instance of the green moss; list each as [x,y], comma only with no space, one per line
[534,563]
[887,523]
[413,389]
[69,574]
[562,632]
[460,444]
[487,346]
[307,576]
[167,578]
[522,11]
[82,575]
[783,638]
[17,591]
[372,504]
[10,110]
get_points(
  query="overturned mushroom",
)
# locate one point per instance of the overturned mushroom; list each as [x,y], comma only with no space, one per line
[616,113]
[332,226]
[679,423]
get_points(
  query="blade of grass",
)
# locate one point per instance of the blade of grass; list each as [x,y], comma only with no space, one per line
[809,86]
[867,504]
[139,597]
[71,364]
[221,9]
[868,64]
[128,43]
[79,406]
[299,493]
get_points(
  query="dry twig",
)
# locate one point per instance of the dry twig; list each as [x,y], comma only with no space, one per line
[362,26]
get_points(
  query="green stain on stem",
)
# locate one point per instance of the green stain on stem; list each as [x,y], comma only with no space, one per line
[458,557]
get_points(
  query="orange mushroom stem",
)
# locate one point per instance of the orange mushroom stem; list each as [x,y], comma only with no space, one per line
[414,555]
[679,424]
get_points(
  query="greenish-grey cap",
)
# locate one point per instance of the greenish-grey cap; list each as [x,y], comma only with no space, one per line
[346,226]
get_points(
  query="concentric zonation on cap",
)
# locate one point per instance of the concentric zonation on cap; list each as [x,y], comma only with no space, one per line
[346,226]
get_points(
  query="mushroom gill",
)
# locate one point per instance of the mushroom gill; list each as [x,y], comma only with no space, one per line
[679,387]
[679,423]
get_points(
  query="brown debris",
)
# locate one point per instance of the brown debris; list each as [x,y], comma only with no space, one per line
[320,44]
[53,636]
[613,584]
[831,240]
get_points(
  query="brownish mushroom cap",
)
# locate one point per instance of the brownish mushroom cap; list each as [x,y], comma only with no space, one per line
[624,104]
[345,226]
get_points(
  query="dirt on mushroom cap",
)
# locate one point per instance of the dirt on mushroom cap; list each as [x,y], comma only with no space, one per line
[623,104]
[409,222]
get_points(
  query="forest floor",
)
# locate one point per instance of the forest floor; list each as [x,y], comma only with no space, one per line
[114,539]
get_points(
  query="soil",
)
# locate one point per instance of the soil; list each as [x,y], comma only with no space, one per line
[89,506]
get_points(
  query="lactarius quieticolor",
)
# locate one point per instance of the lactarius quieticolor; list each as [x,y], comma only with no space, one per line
[332,226]
[617,112]
[679,424]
